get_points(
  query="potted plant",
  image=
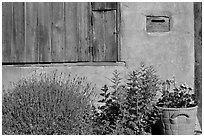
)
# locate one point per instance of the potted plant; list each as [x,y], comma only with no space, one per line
[178,107]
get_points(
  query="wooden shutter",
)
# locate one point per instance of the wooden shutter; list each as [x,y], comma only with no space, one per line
[13,32]
[104,6]
[18,31]
[104,32]
[59,32]
[70,32]
[7,27]
[32,49]
[77,31]
[44,31]
[83,22]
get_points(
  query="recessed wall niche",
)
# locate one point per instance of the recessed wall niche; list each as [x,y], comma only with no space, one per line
[157,24]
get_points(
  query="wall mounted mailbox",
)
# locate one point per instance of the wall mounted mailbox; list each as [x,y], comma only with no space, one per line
[157,24]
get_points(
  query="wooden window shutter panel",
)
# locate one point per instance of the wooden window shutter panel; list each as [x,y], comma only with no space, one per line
[77,31]
[31,32]
[104,6]
[13,21]
[58,32]
[44,31]
[71,35]
[83,23]
[104,37]
[19,32]
[7,23]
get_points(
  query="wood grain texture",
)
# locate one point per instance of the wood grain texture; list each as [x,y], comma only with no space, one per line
[110,36]
[7,24]
[104,5]
[44,31]
[118,27]
[98,36]
[104,43]
[19,32]
[71,40]
[83,31]
[32,48]
[58,32]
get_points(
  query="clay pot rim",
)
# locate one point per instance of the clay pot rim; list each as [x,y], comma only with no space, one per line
[176,109]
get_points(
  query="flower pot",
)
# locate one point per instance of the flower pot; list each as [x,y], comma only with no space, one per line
[178,121]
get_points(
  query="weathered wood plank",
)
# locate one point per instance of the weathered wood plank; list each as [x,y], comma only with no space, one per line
[44,31]
[19,32]
[58,32]
[104,43]
[6,32]
[104,5]
[111,5]
[110,36]
[71,34]
[118,36]
[98,5]
[67,39]
[32,49]
[98,36]
[83,22]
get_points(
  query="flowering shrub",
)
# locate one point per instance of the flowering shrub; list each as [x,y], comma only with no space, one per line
[46,105]
[179,97]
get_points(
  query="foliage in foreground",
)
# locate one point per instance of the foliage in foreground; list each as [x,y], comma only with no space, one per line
[50,105]
[128,109]
[46,105]
[179,97]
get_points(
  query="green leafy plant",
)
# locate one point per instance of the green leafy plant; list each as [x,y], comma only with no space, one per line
[128,108]
[46,104]
[142,88]
[106,118]
[176,97]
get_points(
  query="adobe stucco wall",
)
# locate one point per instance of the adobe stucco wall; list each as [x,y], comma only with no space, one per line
[172,53]
[98,74]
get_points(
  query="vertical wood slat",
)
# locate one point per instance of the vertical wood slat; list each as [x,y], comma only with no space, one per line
[118,37]
[40,41]
[104,29]
[32,49]
[104,5]
[7,31]
[110,36]
[58,32]
[19,32]
[98,36]
[83,31]
[71,40]
[44,31]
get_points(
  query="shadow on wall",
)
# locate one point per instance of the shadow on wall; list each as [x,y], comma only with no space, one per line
[198,54]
